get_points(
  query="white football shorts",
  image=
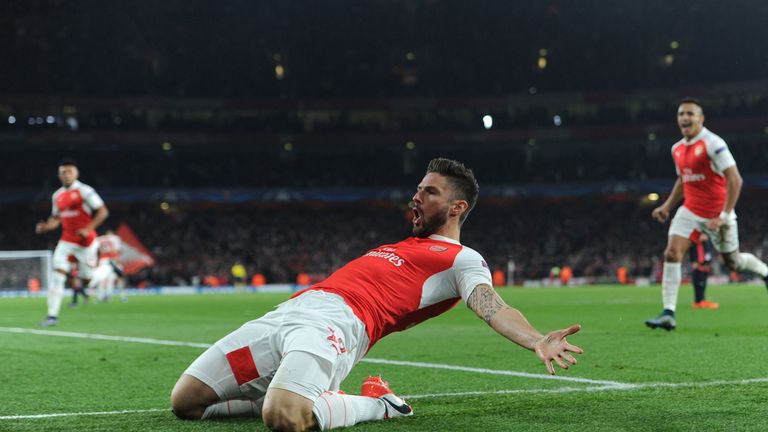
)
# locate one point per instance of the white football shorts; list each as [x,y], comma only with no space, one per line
[687,224]
[87,257]
[307,345]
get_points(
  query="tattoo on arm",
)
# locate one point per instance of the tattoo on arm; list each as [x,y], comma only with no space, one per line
[485,302]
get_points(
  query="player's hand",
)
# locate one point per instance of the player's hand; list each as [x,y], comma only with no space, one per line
[40,227]
[83,232]
[715,223]
[660,213]
[554,347]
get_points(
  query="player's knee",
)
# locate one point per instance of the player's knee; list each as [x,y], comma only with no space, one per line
[184,411]
[732,262]
[285,419]
[673,255]
[183,407]
[189,398]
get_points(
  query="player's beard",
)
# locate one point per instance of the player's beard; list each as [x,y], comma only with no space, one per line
[430,225]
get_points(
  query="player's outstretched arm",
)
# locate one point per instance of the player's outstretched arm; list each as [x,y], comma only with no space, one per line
[554,347]
[510,323]
[661,213]
[51,224]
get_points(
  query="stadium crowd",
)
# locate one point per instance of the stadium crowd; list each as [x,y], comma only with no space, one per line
[430,114]
[369,112]
[593,235]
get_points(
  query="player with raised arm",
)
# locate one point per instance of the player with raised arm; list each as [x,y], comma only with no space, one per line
[710,184]
[79,210]
[287,366]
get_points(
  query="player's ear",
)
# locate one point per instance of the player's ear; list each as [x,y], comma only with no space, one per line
[458,207]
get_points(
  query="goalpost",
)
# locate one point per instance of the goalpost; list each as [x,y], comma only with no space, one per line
[18,268]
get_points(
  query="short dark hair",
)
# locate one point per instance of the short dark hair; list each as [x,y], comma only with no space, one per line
[692,100]
[68,162]
[461,178]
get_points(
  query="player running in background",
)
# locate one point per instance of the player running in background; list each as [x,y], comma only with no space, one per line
[709,183]
[286,366]
[79,210]
[701,263]
[109,270]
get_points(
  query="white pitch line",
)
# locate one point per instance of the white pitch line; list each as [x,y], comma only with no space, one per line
[518,391]
[492,371]
[75,414]
[591,389]
[103,337]
[151,341]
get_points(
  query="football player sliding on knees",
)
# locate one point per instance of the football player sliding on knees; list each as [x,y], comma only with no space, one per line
[286,367]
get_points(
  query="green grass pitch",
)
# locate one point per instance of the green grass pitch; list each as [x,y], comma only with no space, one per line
[708,375]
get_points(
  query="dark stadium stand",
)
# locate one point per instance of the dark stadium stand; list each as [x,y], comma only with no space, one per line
[594,234]
[269,150]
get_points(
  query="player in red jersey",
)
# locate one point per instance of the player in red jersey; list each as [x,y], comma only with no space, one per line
[709,183]
[79,210]
[286,367]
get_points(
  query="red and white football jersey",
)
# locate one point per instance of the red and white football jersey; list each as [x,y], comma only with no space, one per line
[700,163]
[74,206]
[109,247]
[393,287]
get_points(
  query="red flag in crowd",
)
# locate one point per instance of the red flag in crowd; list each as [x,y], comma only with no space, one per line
[133,256]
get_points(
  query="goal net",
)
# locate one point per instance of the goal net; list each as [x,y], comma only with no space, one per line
[25,270]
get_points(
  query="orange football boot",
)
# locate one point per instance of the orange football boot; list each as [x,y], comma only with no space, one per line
[705,304]
[375,387]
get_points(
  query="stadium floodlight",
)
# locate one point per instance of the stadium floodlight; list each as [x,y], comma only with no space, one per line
[18,267]
[72,123]
[487,121]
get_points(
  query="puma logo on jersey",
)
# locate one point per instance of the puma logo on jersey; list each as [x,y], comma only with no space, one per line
[336,342]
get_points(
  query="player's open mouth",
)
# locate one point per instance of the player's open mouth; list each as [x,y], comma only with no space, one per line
[416,216]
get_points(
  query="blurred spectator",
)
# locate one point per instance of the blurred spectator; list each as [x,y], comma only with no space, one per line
[279,241]
[239,274]
[258,280]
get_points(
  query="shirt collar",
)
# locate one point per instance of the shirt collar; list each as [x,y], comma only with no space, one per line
[697,137]
[443,238]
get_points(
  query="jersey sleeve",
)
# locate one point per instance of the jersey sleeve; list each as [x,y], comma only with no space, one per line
[720,154]
[54,208]
[91,198]
[471,271]
[672,152]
